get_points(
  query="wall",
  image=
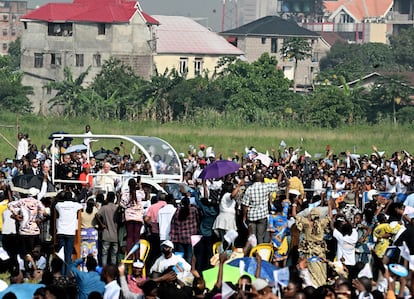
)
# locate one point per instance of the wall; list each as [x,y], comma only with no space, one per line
[127,41]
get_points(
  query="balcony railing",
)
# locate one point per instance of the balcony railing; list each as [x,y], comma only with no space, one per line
[333,27]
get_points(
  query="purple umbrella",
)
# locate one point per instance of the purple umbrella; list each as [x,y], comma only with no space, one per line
[219,169]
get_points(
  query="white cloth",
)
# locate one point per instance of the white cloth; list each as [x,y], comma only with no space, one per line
[9,224]
[165,215]
[112,290]
[22,148]
[346,246]
[67,222]
[107,181]
[226,218]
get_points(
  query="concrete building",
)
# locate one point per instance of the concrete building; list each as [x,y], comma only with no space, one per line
[250,10]
[10,26]
[83,34]
[190,48]
[267,35]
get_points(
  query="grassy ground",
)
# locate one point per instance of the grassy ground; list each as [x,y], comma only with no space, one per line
[225,140]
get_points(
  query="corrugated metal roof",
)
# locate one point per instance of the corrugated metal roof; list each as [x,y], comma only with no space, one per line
[177,34]
[101,11]
[270,26]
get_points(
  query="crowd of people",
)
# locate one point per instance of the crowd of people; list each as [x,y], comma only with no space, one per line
[340,224]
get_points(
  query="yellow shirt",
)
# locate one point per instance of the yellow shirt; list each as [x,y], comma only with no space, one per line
[296,184]
[3,207]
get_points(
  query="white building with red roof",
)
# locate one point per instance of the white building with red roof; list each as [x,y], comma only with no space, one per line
[82,34]
[363,21]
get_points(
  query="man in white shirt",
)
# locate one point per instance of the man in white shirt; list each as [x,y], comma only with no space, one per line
[22,147]
[112,289]
[169,259]
[66,226]
[165,215]
[347,237]
[107,179]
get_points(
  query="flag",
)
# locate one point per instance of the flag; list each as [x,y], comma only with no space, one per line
[133,249]
[411,262]
[408,210]
[405,251]
[281,276]
[195,239]
[314,205]
[366,271]
[3,254]
[226,291]
[231,236]
[61,254]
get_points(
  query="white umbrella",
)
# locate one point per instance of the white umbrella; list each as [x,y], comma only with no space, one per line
[76,148]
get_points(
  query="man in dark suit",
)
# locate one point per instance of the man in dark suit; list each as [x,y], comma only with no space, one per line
[34,167]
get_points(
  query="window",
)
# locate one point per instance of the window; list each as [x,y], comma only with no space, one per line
[4,46]
[59,29]
[263,40]
[79,60]
[198,66]
[96,60]
[273,46]
[13,33]
[183,65]
[4,32]
[48,90]
[101,29]
[38,60]
[55,59]
[4,17]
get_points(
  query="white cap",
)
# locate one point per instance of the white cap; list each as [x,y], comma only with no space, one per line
[168,243]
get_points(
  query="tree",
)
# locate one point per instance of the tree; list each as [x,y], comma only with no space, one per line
[254,89]
[13,95]
[117,82]
[402,45]
[298,49]
[15,53]
[69,93]
[390,92]
[353,61]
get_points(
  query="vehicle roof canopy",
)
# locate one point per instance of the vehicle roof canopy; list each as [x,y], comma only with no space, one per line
[162,157]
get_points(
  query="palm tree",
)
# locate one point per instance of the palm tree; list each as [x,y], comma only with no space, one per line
[297,48]
[69,92]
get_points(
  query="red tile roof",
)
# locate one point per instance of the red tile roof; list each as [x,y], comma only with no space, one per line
[97,11]
[332,37]
[361,9]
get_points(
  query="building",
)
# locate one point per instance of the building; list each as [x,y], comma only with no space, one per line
[267,35]
[80,35]
[251,10]
[363,21]
[190,48]
[10,26]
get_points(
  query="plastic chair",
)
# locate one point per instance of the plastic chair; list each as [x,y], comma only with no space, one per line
[143,253]
[265,250]
[216,247]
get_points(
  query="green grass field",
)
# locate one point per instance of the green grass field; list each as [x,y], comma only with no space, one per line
[224,140]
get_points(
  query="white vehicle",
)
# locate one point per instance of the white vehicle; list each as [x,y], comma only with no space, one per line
[163,159]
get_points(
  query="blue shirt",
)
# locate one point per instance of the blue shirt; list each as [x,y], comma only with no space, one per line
[87,281]
[22,290]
